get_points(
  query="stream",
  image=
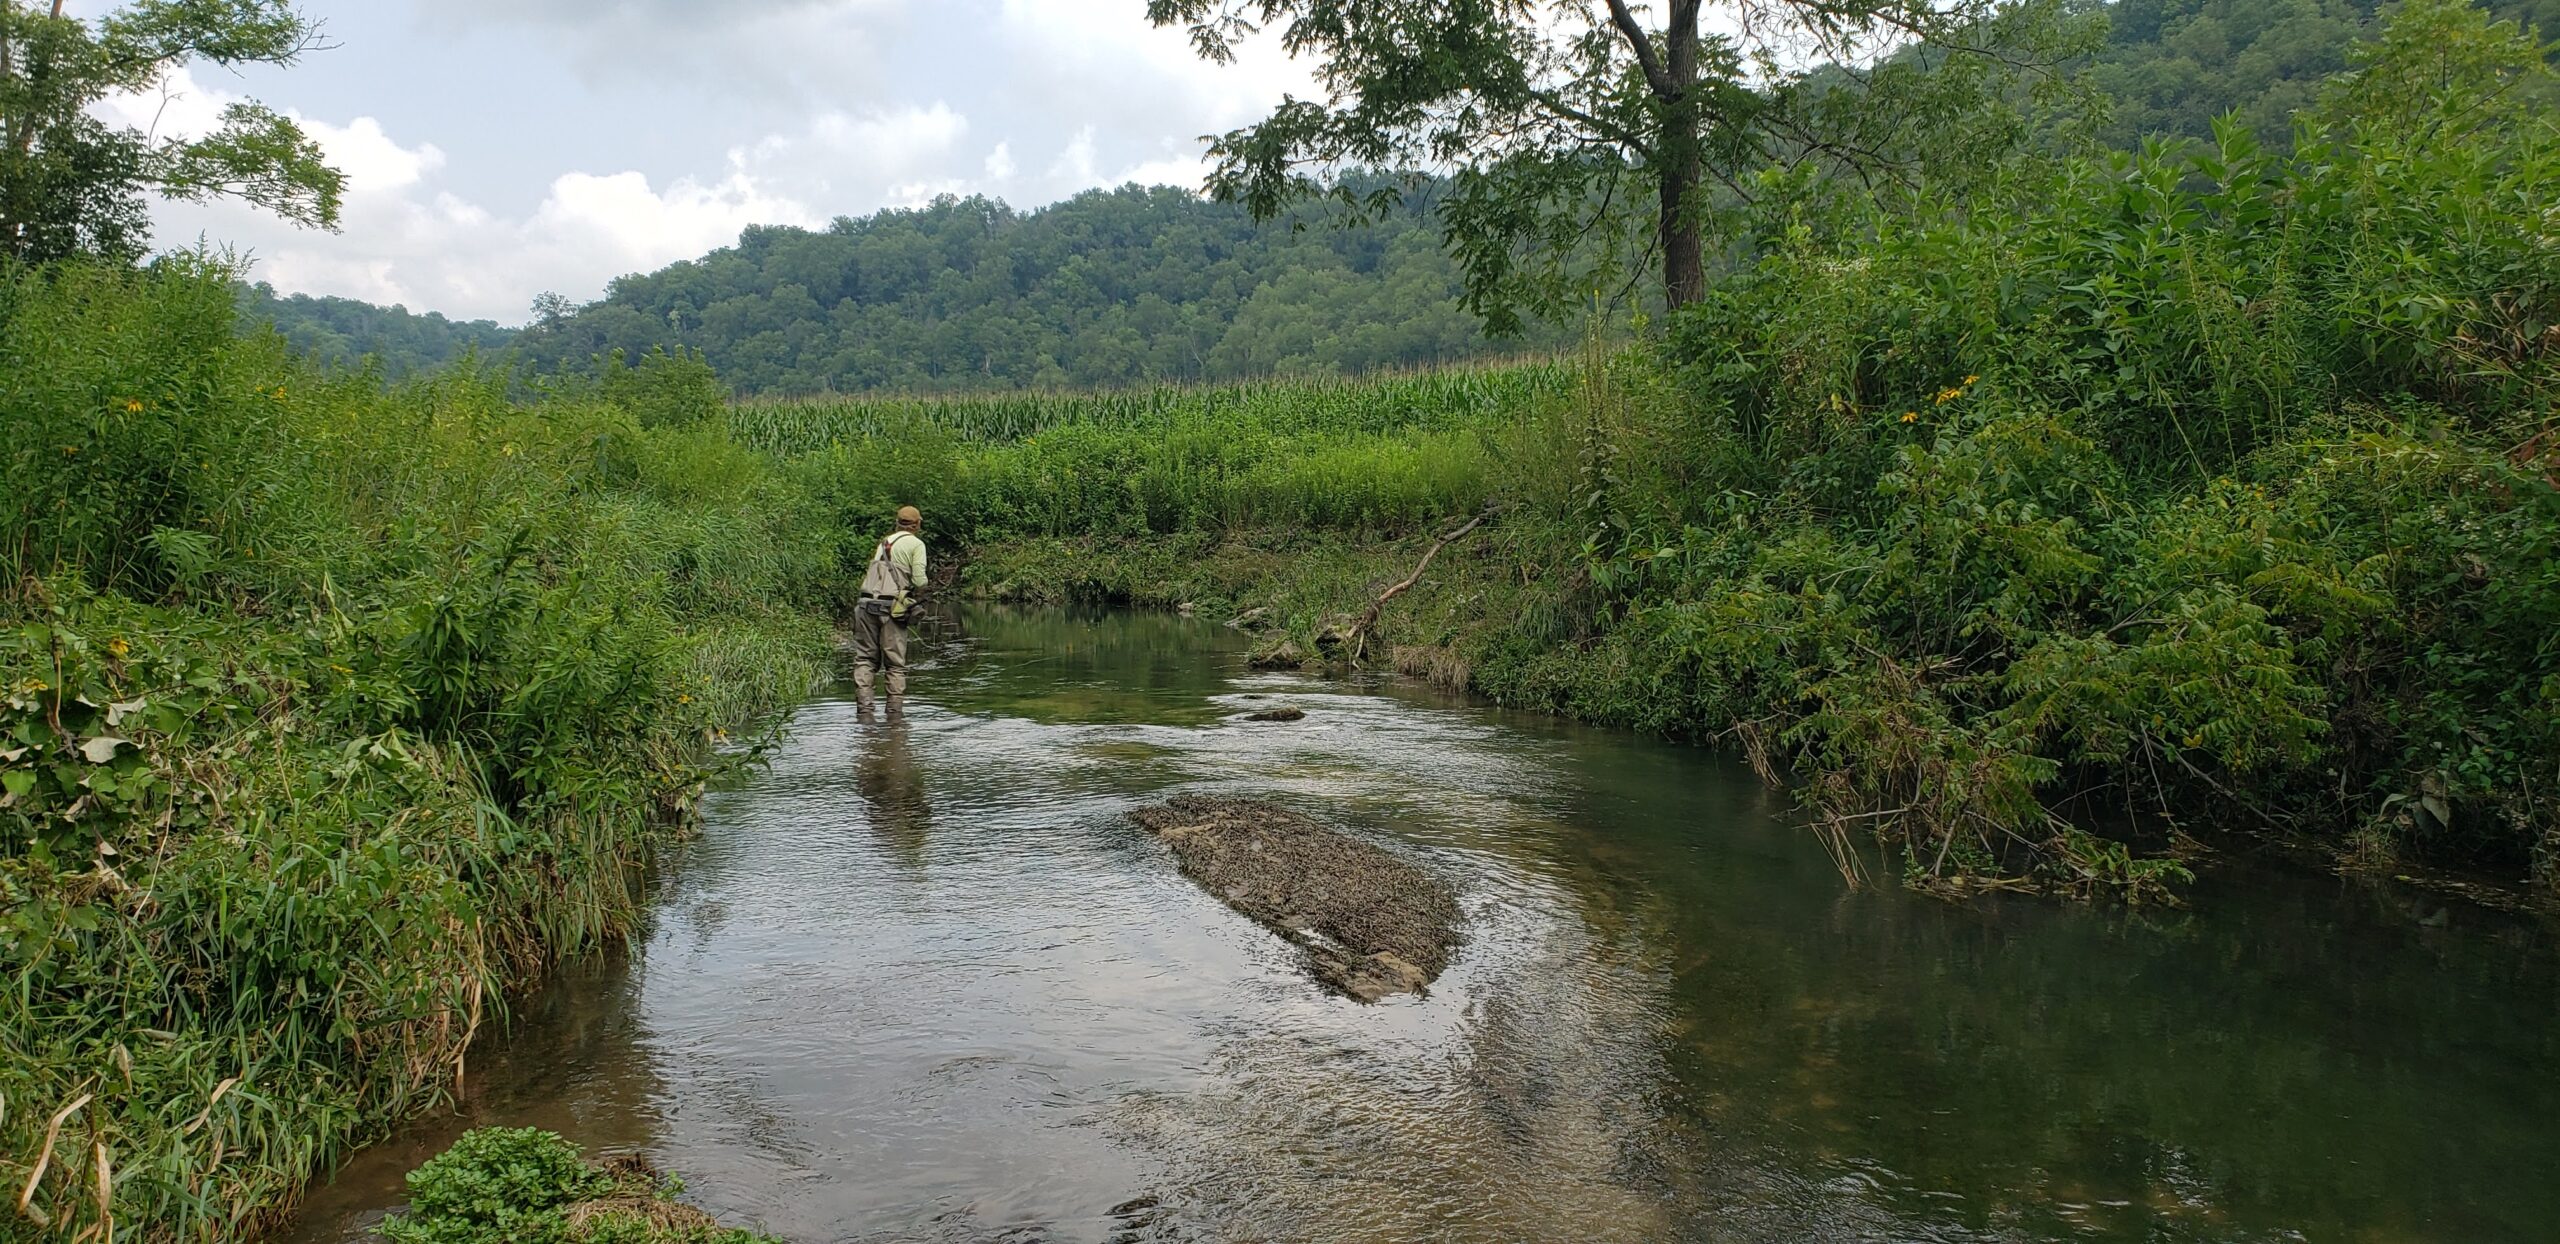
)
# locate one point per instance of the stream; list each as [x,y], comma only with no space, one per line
[925,982]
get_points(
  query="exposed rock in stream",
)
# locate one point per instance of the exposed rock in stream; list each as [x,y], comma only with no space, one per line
[1282,713]
[1372,924]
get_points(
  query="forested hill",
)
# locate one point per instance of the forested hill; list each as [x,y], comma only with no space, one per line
[345,330]
[1110,287]
[1115,287]
[2172,66]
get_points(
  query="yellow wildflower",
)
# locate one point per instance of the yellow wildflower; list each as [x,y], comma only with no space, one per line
[69,450]
[119,647]
[684,699]
[1910,416]
[1971,379]
[1948,395]
[132,406]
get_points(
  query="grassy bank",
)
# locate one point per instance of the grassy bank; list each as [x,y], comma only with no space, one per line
[333,711]
[2193,487]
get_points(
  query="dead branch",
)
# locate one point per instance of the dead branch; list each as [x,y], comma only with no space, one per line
[1369,619]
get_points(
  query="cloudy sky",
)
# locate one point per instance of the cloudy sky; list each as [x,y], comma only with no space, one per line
[495,149]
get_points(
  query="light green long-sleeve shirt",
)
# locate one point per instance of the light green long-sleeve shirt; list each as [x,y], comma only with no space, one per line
[906,555]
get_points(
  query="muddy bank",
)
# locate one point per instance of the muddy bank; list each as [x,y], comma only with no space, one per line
[1372,924]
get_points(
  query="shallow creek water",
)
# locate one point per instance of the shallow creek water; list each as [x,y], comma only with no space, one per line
[925,982]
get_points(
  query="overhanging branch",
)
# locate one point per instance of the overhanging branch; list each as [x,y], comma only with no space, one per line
[1646,58]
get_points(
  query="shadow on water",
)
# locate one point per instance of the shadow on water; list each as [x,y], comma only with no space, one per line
[922,981]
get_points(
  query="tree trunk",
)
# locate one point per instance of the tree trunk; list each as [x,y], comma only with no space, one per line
[1684,250]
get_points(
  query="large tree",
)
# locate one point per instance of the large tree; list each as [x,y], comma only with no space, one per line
[1549,115]
[72,183]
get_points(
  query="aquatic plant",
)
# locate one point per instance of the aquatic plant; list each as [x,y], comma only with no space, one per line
[523,1185]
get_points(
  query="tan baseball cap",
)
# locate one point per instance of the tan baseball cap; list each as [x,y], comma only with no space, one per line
[909,514]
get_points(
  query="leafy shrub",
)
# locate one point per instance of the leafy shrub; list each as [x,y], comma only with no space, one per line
[498,1185]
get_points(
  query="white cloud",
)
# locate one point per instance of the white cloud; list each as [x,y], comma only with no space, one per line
[1074,165]
[843,155]
[621,216]
[372,162]
[438,251]
[1187,172]
[405,239]
[666,126]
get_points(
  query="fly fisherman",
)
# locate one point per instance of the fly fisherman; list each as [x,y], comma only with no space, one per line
[892,591]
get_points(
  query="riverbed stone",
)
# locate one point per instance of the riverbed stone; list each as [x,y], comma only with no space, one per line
[1372,923]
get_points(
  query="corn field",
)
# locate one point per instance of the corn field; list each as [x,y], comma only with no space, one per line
[1396,402]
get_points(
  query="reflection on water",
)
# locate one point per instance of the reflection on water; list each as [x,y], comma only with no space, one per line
[923,981]
[891,785]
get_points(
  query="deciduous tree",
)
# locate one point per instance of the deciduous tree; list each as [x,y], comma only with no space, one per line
[1549,115]
[72,183]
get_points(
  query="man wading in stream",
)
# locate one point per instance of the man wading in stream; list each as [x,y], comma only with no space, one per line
[892,593]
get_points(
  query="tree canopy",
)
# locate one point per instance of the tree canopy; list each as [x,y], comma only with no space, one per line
[1110,287]
[2169,67]
[1551,117]
[347,330]
[1137,285]
[71,183]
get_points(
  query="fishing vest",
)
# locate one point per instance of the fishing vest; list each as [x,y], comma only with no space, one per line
[885,578]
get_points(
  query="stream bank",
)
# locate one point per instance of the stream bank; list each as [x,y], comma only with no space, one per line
[1474,626]
[928,982]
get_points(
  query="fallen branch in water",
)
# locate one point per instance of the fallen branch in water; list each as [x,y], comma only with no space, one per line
[1369,619]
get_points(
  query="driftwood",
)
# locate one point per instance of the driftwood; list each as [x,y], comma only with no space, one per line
[1360,630]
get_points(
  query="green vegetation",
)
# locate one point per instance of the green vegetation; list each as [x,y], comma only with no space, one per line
[527,1186]
[2215,484]
[1357,456]
[344,332]
[2172,67]
[331,712]
[2203,483]
[73,184]
[1142,286]
[1117,287]
[1558,118]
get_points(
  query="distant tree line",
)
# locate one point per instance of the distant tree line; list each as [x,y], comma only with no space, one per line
[2171,66]
[347,330]
[1143,284]
[1110,287]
